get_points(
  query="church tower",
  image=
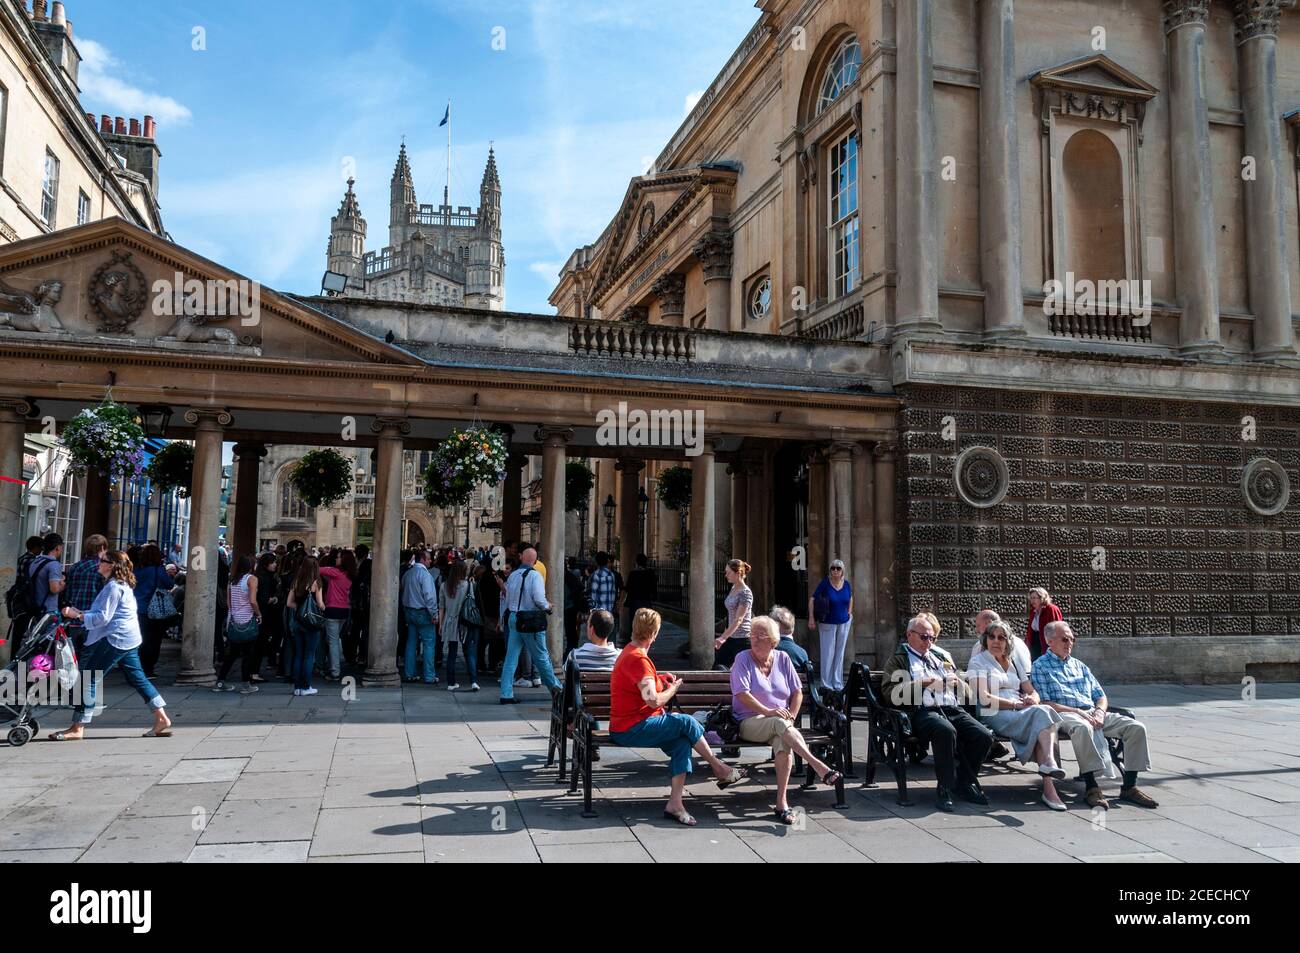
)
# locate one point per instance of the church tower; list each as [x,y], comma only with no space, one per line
[485,279]
[402,207]
[347,247]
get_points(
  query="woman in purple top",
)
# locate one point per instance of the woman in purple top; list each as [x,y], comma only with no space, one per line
[766,695]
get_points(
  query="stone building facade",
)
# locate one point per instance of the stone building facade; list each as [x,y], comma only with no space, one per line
[953,183]
[435,255]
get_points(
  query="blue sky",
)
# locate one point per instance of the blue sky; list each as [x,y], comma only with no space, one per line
[259,129]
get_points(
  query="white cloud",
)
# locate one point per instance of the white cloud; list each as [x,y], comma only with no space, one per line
[549,270]
[691,100]
[101,84]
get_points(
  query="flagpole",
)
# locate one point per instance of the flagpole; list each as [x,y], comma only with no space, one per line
[446,189]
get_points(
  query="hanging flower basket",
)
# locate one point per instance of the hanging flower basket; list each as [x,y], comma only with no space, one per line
[322,477]
[673,489]
[107,439]
[172,468]
[465,460]
[578,481]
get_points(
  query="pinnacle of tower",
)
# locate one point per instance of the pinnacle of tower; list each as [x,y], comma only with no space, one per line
[490,177]
[402,171]
[348,208]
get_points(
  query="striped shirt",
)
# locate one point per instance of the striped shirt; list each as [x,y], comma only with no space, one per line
[595,658]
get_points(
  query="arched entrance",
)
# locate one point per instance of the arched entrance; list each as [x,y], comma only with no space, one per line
[414,534]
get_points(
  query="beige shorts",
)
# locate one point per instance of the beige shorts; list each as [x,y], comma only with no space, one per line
[763,730]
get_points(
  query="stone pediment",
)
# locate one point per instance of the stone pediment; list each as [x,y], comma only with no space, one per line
[112,284]
[649,208]
[1096,87]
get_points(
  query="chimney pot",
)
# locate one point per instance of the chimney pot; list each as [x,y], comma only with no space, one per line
[38,11]
[58,18]
[150,127]
[67,25]
[119,126]
[135,127]
[91,117]
[106,124]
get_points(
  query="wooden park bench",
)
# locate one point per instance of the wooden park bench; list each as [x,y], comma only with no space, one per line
[890,740]
[581,713]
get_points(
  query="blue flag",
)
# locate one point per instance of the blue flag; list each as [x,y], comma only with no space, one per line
[446,116]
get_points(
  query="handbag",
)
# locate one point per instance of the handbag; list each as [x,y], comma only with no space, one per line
[160,606]
[529,620]
[470,613]
[309,615]
[239,632]
[722,721]
[821,606]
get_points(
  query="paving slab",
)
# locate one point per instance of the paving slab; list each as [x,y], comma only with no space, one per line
[279,852]
[368,830]
[261,820]
[205,769]
[154,840]
[179,799]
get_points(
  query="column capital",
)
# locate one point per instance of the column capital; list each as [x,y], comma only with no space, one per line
[670,289]
[629,465]
[886,452]
[209,418]
[390,427]
[634,314]
[1179,13]
[714,252]
[1257,18]
[248,448]
[553,436]
[843,448]
[18,406]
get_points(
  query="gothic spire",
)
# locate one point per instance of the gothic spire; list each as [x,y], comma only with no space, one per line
[490,178]
[349,208]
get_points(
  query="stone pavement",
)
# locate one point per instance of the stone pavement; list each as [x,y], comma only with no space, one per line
[420,774]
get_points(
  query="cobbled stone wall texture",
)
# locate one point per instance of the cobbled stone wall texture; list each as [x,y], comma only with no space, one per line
[1155,484]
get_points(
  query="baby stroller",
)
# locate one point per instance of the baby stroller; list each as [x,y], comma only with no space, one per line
[44,670]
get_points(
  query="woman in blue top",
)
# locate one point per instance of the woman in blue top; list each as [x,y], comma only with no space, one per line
[830,614]
[112,638]
[150,576]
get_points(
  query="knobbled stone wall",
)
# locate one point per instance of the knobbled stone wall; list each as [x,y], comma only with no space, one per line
[1155,483]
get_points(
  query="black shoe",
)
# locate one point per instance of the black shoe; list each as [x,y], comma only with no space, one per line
[509,701]
[972,793]
[944,801]
[999,750]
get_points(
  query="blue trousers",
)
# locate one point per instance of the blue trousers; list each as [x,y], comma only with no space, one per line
[421,632]
[100,659]
[304,654]
[675,735]
[468,649]
[536,643]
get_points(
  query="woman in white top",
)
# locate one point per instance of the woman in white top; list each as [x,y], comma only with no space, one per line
[1010,706]
[455,633]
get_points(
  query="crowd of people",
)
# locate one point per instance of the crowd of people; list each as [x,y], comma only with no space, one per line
[303,614]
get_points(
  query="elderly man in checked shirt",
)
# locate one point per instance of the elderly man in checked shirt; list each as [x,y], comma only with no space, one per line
[1068,686]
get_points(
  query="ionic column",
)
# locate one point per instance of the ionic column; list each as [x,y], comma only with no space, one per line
[1195,267]
[816,516]
[629,535]
[385,604]
[862,566]
[840,510]
[1266,242]
[917,219]
[553,440]
[739,474]
[198,629]
[887,632]
[701,573]
[13,415]
[512,497]
[999,173]
[714,253]
[671,292]
[249,458]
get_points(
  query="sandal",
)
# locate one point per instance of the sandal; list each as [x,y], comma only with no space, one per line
[64,736]
[832,777]
[784,816]
[154,733]
[683,818]
[735,777]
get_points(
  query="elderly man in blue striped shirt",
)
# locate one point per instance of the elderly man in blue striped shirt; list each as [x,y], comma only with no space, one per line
[1068,686]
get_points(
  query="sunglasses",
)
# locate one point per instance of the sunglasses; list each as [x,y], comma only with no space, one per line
[837,569]
[928,638]
[105,562]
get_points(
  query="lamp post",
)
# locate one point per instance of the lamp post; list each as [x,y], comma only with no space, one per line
[582,529]
[609,506]
[642,506]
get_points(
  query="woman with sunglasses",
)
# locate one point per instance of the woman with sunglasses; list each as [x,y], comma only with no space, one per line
[113,639]
[1010,706]
[830,615]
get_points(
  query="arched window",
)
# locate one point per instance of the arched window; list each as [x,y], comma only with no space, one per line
[1094,207]
[291,504]
[841,71]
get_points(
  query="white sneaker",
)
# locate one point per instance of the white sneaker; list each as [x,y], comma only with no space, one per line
[474,687]
[453,688]
[297,691]
[522,683]
[309,691]
[537,683]
[248,688]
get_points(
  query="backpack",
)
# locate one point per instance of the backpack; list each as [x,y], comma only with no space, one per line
[21,599]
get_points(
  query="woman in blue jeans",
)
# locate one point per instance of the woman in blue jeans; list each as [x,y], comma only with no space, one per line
[306,585]
[113,639]
[638,694]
